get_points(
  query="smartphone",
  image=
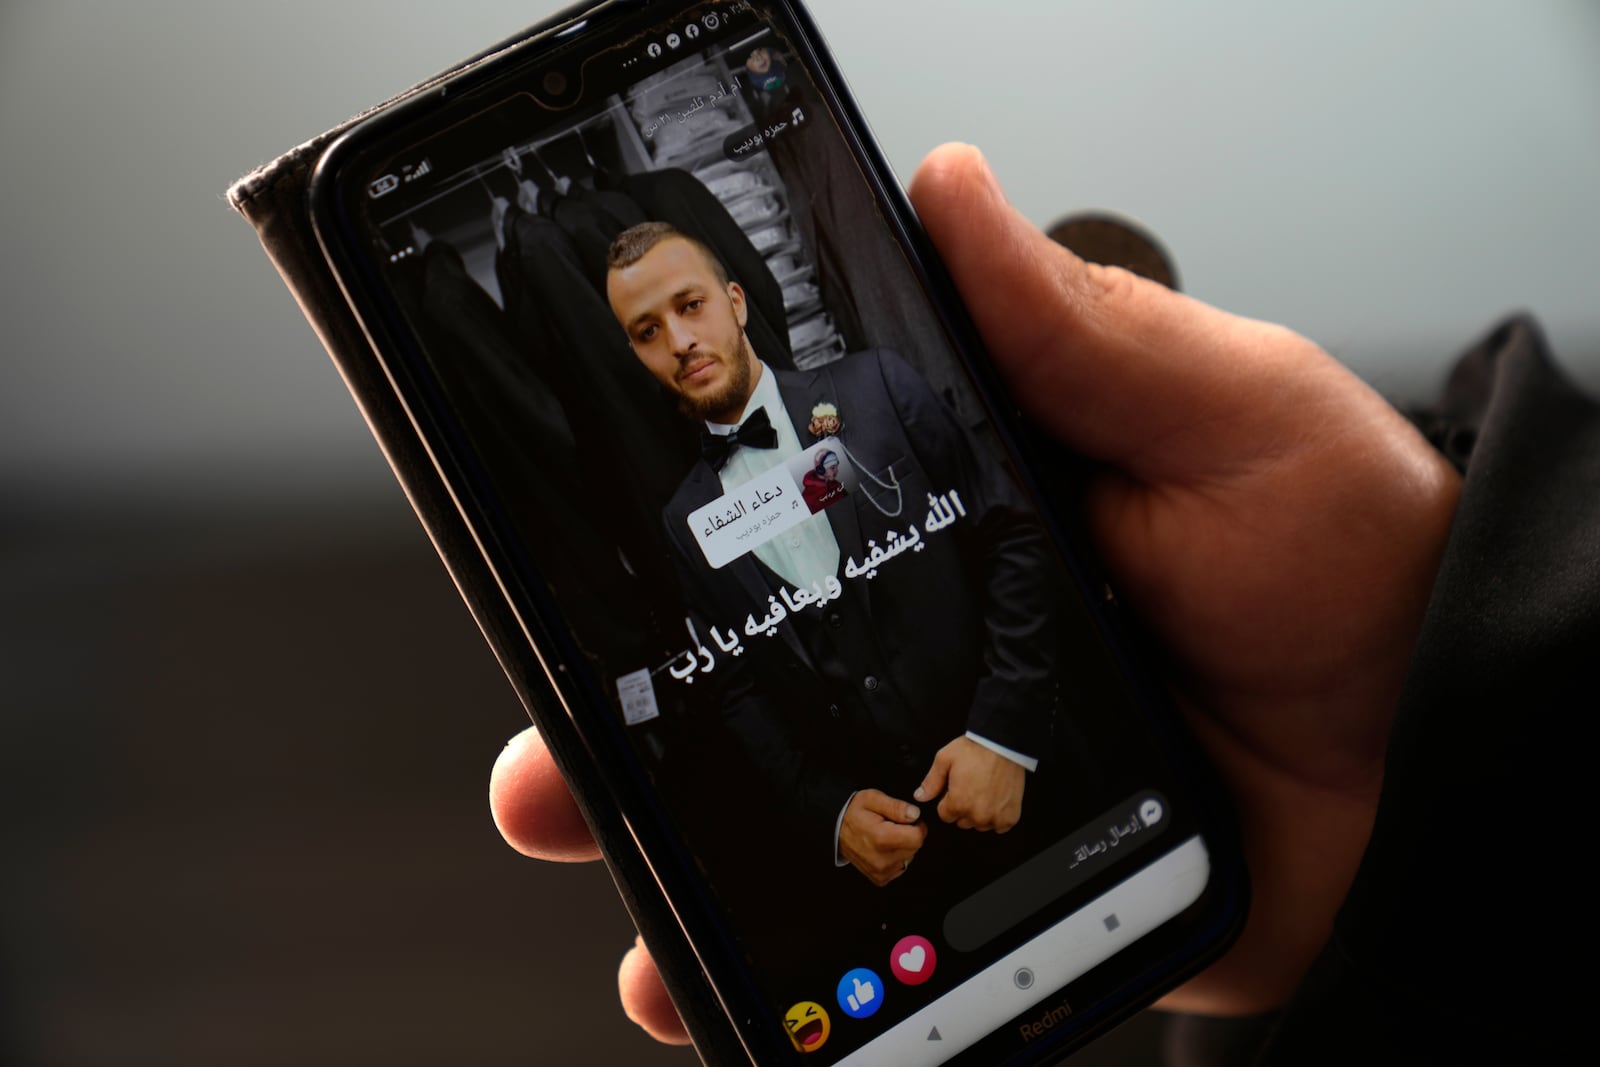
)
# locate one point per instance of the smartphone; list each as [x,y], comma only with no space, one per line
[652,336]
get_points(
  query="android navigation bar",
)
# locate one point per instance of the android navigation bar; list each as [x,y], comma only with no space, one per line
[994,998]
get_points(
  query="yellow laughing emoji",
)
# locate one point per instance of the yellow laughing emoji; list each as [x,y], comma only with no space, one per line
[807,1024]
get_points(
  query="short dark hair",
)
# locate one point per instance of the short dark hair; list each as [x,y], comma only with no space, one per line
[632,244]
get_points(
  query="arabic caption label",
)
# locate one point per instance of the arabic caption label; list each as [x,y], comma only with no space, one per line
[698,658]
[752,514]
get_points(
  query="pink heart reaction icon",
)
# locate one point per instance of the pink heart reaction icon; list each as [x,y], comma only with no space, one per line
[912,960]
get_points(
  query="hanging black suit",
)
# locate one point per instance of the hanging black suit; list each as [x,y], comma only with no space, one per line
[592,219]
[862,273]
[632,442]
[524,443]
[676,196]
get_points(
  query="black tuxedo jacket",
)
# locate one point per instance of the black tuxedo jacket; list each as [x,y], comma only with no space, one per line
[861,692]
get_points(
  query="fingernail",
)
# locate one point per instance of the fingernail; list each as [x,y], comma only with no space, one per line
[985,171]
[988,171]
[912,812]
[921,793]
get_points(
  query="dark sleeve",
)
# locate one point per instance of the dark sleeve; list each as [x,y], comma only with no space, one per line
[1467,931]
[1008,561]
[805,783]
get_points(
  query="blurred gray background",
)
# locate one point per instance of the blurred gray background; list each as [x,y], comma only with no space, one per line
[245,724]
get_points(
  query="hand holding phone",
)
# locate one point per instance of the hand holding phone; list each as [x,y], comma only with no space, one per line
[1296,719]
[700,425]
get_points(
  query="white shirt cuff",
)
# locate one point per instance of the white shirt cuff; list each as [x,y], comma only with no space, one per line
[1027,763]
[838,825]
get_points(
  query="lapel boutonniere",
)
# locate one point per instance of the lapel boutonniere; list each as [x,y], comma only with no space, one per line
[825,421]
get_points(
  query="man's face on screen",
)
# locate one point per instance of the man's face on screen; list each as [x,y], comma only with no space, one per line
[687,328]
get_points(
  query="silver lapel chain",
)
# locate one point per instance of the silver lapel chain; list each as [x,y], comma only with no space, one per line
[892,485]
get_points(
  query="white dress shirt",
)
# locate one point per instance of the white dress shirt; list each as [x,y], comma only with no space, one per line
[805,553]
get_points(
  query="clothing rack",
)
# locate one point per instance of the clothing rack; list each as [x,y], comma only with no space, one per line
[608,115]
[612,110]
[750,189]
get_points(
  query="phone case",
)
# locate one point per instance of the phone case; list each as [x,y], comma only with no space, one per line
[274,199]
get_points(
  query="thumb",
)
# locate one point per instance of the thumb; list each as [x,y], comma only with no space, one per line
[1106,360]
[934,782]
[887,807]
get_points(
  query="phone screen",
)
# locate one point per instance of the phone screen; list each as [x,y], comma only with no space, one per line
[713,426]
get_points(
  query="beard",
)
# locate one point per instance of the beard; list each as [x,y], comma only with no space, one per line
[735,392]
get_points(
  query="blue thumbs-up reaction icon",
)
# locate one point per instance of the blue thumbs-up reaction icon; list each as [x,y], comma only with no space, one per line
[860,993]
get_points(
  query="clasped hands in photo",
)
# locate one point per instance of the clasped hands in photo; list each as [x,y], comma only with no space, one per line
[1273,521]
[977,789]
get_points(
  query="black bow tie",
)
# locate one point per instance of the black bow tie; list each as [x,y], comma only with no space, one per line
[756,432]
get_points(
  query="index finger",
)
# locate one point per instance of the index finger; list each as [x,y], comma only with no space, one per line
[532,806]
